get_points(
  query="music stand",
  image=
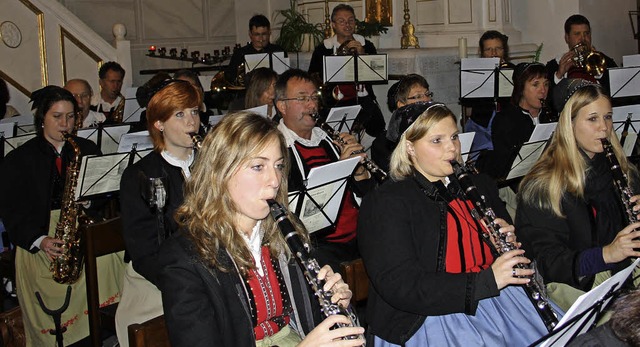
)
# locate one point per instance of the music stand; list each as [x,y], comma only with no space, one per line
[132,109]
[626,121]
[318,203]
[466,140]
[341,118]
[141,140]
[275,61]
[624,81]
[528,155]
[370,68]
[587,310]
[14,142]
[24,124]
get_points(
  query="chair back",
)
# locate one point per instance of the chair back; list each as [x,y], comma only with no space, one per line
[99,239]
[150,333]
[356,277]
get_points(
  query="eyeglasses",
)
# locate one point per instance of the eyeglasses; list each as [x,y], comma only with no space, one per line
[82,96]
[342,22]
[425,95]
[303,98]
[494,49]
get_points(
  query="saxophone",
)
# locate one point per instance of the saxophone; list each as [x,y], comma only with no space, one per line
[310,267]
[620,181]
[67,267]
[118,113]
[485,214]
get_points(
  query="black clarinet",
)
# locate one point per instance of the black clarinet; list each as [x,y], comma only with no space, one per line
[310,267]
[196,139]
[620,181]
[485,214]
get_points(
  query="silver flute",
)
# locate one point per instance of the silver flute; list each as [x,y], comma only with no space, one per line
[378,174]
[483,213]
[310,267]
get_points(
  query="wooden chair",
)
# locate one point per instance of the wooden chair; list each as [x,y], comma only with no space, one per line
[356,277]
[150,333]
[100,239]
[12,328]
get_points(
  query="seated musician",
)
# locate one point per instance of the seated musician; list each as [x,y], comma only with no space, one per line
[228,278]
[571,219]
[434,281]
[34,199]
[110,98]
[148,212]
[309,146]
[343,22]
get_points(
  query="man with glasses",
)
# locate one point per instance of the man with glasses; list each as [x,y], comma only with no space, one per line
[297,100]
[82,92]
[259,34]
[343,22]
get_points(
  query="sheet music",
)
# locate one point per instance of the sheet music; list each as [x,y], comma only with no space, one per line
[341,118]
[583,304]
[254,61]
[372,68]
[14,142]
[466,140]
[111,138]
[476,77]
[90,134]
[213,120]
[132,109]
[100,174]
[631,60]
[328,196]
[528,155]
[6,129]
[24,124]
[620,113]
[542,132]
[280,62]
[624,81]
[261,110]
[505,83]
[141,139]
[339,68]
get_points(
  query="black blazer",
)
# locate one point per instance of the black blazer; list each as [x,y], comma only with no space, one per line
[142,234]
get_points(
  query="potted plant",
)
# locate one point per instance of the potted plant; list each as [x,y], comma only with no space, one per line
[294,28]
[371,30]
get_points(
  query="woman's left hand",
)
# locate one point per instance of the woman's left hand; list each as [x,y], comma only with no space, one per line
[334,283]
[635,200]
[508,230]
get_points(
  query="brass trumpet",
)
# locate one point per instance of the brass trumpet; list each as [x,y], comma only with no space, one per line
[592,61]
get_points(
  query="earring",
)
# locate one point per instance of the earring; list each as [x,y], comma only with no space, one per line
[161,129]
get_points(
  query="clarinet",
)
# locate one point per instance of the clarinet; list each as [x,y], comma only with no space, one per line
[310,267]
[485,214]
[377,173]
[620,181]
[197,140]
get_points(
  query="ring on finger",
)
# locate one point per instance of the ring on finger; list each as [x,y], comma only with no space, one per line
[513,272]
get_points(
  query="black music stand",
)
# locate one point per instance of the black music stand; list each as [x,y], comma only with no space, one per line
[319,202]
[12,143]
[585,313]
[482,78]
[132,109]
[370,68]
[527,156]
[341,118]
[141,140]
[276,61]
[626,123]
[624,81]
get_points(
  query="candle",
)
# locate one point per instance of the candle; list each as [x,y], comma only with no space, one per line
[462,47]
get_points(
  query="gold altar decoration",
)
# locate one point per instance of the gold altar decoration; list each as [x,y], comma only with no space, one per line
[328,32]
[379,11]
[409,39]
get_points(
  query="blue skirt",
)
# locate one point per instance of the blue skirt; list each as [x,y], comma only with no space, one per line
[506,320]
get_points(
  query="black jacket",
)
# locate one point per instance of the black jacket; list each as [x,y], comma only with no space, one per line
[204,306]
[29,182]
[402,238]
[237,58]
[142,234]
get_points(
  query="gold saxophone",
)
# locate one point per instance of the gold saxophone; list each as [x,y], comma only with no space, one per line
[67,267]
[118,113]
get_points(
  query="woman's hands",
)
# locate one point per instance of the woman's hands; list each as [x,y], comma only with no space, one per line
[508,230]
[506,272]
[624,245]
[51,247]
[323,335]
[335,284]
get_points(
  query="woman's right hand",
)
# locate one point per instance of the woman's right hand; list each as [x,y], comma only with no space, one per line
[323,335]
[506,272]
[624,245]
[51,247]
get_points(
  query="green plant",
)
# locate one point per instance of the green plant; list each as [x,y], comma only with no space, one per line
[536,58]
[368,29]
[292,28]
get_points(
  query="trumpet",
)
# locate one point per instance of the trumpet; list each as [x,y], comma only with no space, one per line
[593,62]
[375,171]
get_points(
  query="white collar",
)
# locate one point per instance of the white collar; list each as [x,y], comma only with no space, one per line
[332,42]
[255,245]
[290,136]
[182,164]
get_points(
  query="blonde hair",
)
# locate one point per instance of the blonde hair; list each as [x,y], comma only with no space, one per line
[562,167]
[208,211]
[400,165]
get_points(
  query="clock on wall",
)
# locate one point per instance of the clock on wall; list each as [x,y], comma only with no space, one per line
[10,33]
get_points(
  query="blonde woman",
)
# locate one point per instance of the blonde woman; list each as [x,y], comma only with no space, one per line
[570,218]
[228,279]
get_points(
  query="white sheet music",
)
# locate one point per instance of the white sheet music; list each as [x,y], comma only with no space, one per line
[111,138]
[583,303]
[528,155]
[90,134]
[132,109]
[542,132]
[261,110]
[624,81]
[476,77]
[341,118]
[631,60]
[466,140]
[141,139]
[339,68]
[100,174]
[372,68]
[14,142]
[280,63]
[6,129]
